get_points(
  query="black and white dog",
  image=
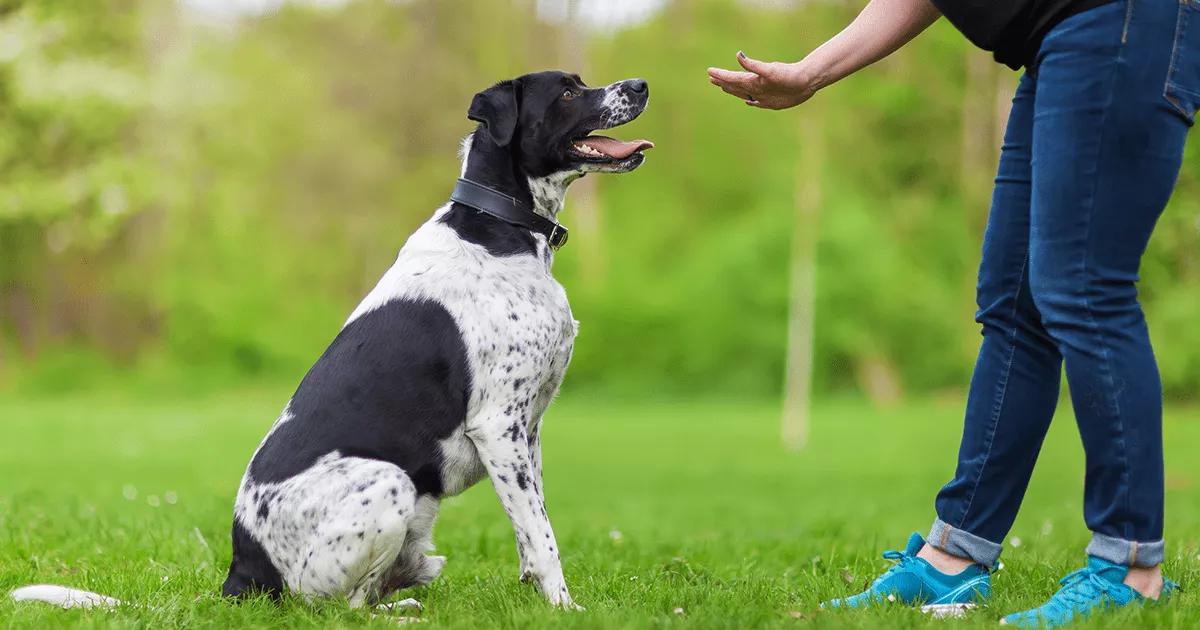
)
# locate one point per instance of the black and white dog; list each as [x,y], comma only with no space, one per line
[441,375]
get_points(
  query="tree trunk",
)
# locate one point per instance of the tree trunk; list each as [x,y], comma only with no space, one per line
[981,138]
[585,212]
[978,135]
[797,401]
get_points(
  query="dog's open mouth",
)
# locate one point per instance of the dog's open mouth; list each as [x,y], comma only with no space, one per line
[606,149]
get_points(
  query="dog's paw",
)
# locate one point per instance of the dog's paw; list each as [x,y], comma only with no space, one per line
[556,593]
[431,568]
[404,604]
[566,603]
[388,610]
[398,620]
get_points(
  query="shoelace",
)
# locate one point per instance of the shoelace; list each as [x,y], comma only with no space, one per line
[901,559]
[1083,586]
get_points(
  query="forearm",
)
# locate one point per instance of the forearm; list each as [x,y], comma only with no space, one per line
[882,27]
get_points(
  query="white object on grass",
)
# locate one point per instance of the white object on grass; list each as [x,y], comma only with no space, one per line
[944,611]
[64,597]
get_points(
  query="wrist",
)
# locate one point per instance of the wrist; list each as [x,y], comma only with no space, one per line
[811,75]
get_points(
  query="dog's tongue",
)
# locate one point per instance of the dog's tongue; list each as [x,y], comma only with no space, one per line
[616,149]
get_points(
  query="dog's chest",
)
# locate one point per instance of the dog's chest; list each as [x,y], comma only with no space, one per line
[516,325]
[521,333]
[519,340]
[513,315]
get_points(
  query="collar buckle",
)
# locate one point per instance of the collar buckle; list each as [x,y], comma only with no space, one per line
[558,237]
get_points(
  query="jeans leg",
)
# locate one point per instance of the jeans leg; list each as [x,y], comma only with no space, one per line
[1014,389]
[1106,152]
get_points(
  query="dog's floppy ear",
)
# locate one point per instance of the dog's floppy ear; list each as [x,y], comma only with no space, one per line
[496,108]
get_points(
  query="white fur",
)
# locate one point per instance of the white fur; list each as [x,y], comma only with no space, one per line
[349,526]
[518,330]
[64,597]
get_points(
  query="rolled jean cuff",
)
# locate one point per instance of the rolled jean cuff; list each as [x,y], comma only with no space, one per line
[956,542]
[1127,552]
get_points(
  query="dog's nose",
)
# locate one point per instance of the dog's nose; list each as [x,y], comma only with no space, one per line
[638,86]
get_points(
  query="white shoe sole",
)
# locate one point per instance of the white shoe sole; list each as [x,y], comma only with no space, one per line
[947,611]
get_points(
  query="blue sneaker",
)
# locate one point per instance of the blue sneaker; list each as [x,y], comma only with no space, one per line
[914,582]
[1098,586]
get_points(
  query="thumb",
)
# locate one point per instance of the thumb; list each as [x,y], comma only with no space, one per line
[753,65]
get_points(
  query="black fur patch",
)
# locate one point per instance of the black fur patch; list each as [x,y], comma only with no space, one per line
[498,237]
[250,571]
[392,384]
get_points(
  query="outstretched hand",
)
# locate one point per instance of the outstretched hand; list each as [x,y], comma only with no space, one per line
[769,85]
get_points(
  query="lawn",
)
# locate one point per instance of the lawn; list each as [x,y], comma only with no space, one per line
[684,513]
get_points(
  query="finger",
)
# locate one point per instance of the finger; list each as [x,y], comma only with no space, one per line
[731,76]
[747,91]
[738,93]
[734,78]
[719,84]
[742,94]
[753,65]
[734,89]
[731,89]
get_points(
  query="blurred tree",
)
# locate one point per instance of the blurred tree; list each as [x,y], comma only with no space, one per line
[797,396]
[72,180]
[586,211]
[205,196]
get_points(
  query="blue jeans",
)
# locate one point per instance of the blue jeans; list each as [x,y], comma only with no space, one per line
[1092,150]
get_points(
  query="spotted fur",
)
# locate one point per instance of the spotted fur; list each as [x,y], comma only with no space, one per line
[350,514]
[439,378]
[619,106]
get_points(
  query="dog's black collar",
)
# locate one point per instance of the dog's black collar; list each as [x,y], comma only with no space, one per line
[508,209]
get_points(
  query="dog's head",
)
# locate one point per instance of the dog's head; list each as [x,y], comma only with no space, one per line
[546,120]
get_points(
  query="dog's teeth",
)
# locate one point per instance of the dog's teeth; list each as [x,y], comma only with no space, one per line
[585,149]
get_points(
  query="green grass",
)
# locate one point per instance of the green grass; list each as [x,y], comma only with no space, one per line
[658,506]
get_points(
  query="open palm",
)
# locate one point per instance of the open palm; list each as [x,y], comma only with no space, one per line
[769,85]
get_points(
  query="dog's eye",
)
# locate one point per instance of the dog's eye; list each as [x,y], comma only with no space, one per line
[568,95]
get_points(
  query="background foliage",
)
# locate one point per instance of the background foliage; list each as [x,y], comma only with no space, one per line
[190,199]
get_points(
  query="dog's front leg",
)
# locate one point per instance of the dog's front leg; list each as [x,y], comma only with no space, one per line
[505,450]
[535,460]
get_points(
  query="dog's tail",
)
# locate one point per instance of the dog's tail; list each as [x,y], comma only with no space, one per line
[64,597]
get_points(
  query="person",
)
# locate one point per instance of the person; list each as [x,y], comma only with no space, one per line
[1092,149]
